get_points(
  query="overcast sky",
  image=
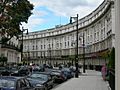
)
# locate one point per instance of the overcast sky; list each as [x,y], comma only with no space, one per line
[49,13]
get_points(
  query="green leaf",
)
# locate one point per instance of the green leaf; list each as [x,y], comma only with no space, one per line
[15,14]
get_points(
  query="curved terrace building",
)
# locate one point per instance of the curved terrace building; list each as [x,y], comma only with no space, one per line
[57,45]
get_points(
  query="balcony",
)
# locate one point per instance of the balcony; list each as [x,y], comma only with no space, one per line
[10,46]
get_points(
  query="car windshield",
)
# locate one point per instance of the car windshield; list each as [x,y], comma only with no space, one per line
[39,76]
[2,68]
[55,73]
[13,69]
[7,83]
[66,69]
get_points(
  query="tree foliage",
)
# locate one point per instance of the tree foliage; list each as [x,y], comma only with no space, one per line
[12,14]
[3,59]
[111,63]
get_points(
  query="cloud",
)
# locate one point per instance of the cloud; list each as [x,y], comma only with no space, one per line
[68,7]
[33,23]
[65,8]
[35,20]
[38,13]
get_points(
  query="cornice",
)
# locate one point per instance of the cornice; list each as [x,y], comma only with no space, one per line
[97,10]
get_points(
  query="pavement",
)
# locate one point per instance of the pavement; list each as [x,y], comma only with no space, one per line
[91,80]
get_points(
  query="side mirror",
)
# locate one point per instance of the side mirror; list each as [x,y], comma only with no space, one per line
[49,78]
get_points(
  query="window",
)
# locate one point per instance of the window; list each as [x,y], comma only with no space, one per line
[41,46]
[44,46]
[7,83]
[49,46]
[22,83]
[36,47]
[98,36]
[68,43]
[25,47]
[60,45]
[33,47]
[52,45]
[94,36]
[27,83]
[65,44]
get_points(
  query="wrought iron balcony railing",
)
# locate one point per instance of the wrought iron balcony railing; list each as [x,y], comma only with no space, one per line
[10,46]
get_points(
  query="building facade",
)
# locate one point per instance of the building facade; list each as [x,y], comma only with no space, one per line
[58,44]
[10,50]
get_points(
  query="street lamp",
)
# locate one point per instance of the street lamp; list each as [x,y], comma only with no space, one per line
[22,42]
[83,46]
[49,51]
[76,53]
[50,54]
[28,55]
[83,53]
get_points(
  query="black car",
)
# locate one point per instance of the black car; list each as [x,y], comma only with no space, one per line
[4,71]
[23,71]
[41,79]
[13,71]
[14,83]
[68,73]
[58,76]
[36,84]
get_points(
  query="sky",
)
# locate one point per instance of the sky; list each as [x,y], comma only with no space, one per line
[49,13]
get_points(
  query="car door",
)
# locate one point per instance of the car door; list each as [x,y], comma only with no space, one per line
[28,85]
[22,84]
[50,81]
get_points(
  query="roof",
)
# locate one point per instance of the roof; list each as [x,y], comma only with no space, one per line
[13,78]
[46,73]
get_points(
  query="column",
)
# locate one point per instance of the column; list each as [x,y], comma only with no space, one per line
[0,50]
[117,44]
[0,45]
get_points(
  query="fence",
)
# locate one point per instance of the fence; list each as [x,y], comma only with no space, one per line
[112,79]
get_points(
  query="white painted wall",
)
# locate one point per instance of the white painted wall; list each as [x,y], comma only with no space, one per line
[117,46]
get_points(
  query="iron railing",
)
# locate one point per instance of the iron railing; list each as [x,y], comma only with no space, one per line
[112,79]
[10,46]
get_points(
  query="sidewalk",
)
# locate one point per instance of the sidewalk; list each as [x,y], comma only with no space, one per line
[91,80]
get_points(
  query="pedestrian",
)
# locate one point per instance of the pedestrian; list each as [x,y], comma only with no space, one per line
[104,71]
[30,69]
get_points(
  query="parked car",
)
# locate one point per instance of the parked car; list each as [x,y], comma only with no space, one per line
[41,79]
[14,71]
[36,84]
[58,76]
[42,68]
[36,69]
[14,83]
[68,73]
[4,71]
[23,71]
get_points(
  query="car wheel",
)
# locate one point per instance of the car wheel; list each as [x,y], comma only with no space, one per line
[45,88]
[51,87]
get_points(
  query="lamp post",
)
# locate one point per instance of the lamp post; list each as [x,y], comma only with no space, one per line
[83,47]
[49,55]
[22,42]
[76,50]
[83,54]
[28,56]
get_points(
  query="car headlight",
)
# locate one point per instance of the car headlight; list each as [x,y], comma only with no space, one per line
[39,85]
[12,87]
[16,71]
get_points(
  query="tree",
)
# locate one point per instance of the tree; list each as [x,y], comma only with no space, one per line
[12,14]
[111,63]
[3,59]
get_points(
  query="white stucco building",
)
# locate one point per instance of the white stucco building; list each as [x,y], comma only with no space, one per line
[58,44]
[10,50]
